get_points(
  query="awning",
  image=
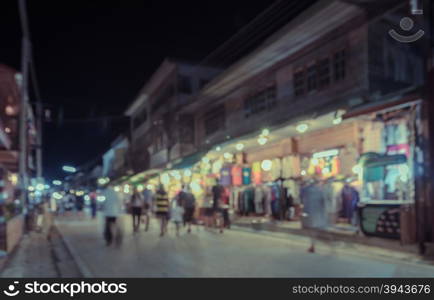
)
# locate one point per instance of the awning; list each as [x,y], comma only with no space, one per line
[188,161]
[371,160]
[120,179]
[382,106]
[145,175]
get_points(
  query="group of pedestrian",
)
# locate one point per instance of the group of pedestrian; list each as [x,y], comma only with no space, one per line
[180,209]
[142,203]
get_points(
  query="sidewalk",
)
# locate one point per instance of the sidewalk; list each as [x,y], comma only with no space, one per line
[31,258]
[39,255]
[258,224]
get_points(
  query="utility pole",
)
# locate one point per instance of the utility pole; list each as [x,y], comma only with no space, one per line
[25,59]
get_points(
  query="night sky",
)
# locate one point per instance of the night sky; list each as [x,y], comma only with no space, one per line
[92,57]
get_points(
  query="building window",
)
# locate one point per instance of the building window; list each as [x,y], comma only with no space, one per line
[263,101]
[340,65]
[163,98]
[184,85]
[158,140]
[299,82]
[311,78]
[140,118]
[323,73]
[215,120]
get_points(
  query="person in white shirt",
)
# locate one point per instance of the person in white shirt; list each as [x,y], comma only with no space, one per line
[112,208]
[177,213]
[136,209]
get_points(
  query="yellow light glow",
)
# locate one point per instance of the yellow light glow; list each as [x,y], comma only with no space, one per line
[187,173]
[227,155]
[303,173]
[149,186]
[117,189]
[13,178]
[205,160]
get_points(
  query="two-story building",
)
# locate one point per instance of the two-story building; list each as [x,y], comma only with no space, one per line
[160,135]
[330,95]
[11,220]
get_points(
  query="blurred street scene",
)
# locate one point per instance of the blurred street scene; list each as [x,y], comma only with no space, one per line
[301,146]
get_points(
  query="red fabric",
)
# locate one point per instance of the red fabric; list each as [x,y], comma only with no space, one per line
[237,175]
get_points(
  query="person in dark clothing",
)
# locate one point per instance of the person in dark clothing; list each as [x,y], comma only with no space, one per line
[93,204]
[218,220]
[189,203]
[79,205]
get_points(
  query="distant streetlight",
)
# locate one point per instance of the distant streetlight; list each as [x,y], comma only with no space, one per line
[57,182]
[69,169]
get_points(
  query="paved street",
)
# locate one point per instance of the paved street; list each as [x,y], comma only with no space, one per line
[232,254]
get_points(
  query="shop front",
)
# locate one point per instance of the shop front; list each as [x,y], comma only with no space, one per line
[388,173]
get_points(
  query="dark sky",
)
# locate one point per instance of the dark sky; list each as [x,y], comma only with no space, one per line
[92,57]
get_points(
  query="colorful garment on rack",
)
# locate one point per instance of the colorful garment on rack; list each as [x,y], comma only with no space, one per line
[256,172]
[276,169]
[249,197]
[247,175]
[225,176]
[237,175]
[259,200]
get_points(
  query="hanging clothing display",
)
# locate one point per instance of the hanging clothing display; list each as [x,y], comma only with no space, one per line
[276,170]
[247,202]
[256,173]
[247,175]
[259,200]
[237,175]
[290,166]
[275,201]
[225,176]
[293,189]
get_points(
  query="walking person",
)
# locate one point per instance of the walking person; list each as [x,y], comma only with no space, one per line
[148,203]
[79,205]
[313,201]
[217,209]
[162,208]
[177,213]
[136,209]
[112,210]
[189,203]
[93,204]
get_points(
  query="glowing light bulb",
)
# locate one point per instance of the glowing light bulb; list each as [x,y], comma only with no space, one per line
[302,127]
